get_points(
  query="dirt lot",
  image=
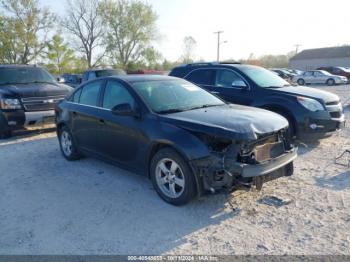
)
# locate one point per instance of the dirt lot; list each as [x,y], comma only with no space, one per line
[51,206]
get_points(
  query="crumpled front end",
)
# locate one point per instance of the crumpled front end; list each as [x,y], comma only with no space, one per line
[250,163]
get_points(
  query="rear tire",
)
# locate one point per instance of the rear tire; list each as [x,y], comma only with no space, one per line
[172,177]
[67,144]
[330,82]
[301,82]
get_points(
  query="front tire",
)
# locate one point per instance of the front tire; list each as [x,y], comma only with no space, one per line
[330,82]
[301,82]
[172,177]
[67,145]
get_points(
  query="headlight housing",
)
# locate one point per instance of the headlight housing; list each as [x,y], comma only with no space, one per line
[310,104]
[10,103]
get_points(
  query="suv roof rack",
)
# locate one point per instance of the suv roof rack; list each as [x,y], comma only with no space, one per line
[200,64]
[230,63]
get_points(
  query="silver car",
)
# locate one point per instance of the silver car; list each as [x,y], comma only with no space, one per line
[319,77]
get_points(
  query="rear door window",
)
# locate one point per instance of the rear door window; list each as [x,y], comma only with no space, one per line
[89,94]
[202,77]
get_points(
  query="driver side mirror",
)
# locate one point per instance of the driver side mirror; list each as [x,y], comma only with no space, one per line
[239,83]
[125,110]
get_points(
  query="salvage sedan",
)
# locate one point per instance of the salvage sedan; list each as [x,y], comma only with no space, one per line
[185,139]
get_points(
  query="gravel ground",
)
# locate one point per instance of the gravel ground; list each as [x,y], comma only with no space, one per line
[51,206]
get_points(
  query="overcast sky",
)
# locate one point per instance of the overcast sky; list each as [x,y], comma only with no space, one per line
[250,26]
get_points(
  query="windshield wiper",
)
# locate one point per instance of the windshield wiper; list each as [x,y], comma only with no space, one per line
[204,106]
[42,82]
[170,111]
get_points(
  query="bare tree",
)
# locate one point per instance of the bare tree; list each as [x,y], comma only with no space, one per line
[83,21]
[189,45]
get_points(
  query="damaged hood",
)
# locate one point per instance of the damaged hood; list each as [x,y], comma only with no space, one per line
[325,96]
[229,121]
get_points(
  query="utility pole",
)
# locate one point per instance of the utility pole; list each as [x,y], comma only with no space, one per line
[297,48]
[219,43]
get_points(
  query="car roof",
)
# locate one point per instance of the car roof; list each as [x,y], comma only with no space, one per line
[142,78]
[18,66]
[185,69]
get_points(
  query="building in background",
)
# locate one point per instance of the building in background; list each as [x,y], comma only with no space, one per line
[314,58]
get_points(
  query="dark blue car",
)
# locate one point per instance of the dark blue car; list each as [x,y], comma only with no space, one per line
[181,136]
[311,113]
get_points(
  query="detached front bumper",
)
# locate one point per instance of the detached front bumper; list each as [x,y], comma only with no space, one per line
[224,171]
[270,166]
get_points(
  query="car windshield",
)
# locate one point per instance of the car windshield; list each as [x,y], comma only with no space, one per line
[109,72]
[263,77]
[170,96]
[21,75]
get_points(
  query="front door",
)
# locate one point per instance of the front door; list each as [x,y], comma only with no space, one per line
[121,136]
[232,87]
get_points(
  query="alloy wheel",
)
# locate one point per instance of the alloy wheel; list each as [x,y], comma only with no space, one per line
[170,178]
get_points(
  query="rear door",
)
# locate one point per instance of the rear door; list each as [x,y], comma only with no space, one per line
[84,115]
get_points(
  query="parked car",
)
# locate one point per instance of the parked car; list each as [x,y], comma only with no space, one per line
[286,75]
[101,72]
[185,139]
[28,95]
[337,70]
[73,80]
[311,113]
[294,71]
[319,77]
[145,72]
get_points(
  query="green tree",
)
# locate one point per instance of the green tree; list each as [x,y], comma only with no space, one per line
[24,30]
[131,29]
[59,55]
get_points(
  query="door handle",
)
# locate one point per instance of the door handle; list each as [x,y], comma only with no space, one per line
[74,114]
[102,122]
[214,92]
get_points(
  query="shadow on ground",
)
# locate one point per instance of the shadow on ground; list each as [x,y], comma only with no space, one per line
[338,182]
[51,206]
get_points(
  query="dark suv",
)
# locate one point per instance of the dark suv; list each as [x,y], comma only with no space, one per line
[311,113]
[28,95]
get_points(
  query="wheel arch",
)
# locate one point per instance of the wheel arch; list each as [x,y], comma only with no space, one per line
[285,112]
[157,146]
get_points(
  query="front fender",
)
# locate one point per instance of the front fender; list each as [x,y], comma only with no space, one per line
[185,142]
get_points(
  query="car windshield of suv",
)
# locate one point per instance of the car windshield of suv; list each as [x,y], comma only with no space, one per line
[109,72]
[263,77]
[171,96]
[22,75]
